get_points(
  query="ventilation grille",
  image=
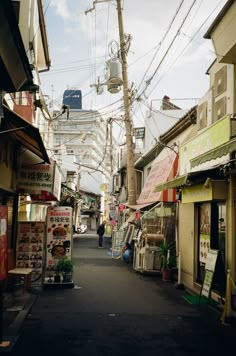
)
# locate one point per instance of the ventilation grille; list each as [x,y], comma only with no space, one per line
[220,108]
[202,115]
[220,81]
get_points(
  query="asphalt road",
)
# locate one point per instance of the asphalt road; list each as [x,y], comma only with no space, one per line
[115,311]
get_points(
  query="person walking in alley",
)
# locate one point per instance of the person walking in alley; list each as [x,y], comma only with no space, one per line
[100,232]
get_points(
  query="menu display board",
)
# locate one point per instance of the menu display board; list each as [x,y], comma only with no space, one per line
[209,272]
[30,247]
[59,233]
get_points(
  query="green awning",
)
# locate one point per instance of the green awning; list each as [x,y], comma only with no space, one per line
[173,183]
[218,152]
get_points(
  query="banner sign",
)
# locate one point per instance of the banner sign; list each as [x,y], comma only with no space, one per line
[59,233]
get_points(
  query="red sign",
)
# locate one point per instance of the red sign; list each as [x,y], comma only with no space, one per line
[122,207]
[137,215]
[3,242]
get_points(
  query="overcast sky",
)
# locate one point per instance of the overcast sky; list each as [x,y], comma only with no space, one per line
[79,46]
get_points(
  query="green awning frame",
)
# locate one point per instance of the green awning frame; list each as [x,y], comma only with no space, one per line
[173,183]
[218,152]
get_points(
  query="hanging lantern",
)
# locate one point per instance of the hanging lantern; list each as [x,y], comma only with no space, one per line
[122,207]
[137,215]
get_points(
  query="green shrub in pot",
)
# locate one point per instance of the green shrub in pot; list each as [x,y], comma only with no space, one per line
[65,266]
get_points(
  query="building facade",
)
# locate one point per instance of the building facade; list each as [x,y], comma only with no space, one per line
[82,144]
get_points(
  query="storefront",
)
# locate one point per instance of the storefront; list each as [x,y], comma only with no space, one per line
[17,138]
[206,207]
[157,213]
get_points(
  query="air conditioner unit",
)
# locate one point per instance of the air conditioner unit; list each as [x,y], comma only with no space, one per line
[202,115]
[220,109]
[220,81]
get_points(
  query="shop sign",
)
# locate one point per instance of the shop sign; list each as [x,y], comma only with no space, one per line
[3,242]
[40,180]
[196,193]
[202,143]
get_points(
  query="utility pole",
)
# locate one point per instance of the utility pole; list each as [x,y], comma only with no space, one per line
[131,175]
[127,118]
[111,146]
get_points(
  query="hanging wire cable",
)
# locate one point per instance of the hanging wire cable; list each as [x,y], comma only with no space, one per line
[148,82]
[181,53]
[161,42]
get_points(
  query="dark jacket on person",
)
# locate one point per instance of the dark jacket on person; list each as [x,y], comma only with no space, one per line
[101,229]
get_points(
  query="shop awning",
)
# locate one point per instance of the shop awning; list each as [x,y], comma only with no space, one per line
[23,132]
[163,169]
[218,152]
[173,183]
[138,206]
[16,74]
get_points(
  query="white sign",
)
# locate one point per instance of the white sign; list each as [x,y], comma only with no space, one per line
[3,227]
[211,260]
[206,287]
[59,232]
[41,177]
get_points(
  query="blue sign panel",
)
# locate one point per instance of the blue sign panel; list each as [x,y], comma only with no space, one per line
[73,98]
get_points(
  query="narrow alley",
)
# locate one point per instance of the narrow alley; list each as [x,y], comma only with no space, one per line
[113,310]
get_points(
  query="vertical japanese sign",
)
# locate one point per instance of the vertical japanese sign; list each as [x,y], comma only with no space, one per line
[59,232]
[29,247]
[3,242]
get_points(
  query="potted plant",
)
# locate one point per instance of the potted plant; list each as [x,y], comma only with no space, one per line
[65,266]
[168,259]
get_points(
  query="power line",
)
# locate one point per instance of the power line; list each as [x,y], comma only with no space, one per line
[161,42]
[168,49]
[191,39]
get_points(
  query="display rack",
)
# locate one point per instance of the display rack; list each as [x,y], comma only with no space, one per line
[146,248]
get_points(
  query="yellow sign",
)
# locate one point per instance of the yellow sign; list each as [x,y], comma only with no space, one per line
[196,193]
[103,187]
[203,142]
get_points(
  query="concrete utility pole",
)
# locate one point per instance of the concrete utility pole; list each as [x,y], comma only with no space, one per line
[127,118]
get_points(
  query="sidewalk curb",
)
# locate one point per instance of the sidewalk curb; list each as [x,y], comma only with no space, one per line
[14,328]
[12,333]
